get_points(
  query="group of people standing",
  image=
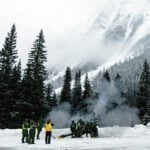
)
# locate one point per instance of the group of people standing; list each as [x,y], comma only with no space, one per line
[80,128]
[30,129]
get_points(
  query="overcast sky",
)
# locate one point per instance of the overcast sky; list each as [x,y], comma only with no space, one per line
[58,18]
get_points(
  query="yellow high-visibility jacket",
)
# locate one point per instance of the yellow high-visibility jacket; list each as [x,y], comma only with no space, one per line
[48,127]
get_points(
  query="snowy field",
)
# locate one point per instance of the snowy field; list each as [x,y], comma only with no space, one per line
[111,138]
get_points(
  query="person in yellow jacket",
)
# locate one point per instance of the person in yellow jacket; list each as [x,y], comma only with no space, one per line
[48,129]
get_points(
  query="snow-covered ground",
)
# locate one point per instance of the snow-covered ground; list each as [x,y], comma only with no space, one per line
[111,138]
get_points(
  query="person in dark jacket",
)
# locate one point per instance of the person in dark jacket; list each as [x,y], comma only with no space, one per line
[73,128]
[25,134]
[48,129]
[87,129]
[94,129]
[39,127]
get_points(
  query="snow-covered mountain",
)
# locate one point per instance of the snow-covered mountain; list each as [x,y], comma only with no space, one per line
[121,30]
[126,24]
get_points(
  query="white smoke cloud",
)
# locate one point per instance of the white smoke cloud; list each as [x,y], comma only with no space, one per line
[121,114]
[61,116]
[109,109]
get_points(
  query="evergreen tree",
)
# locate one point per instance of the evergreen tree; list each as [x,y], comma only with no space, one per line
[77,93]
[54,100]
[66,90]
[8,53]
[146,117]
[37,75]
[119,85]
[27,93]
[16,94]
[87,94]
[144,91]
[38,57]
[118,77]
[8,56]
[106,76]
[49,96]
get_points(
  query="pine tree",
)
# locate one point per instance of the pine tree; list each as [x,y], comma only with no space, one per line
[8,56]
[8,53]
[38,57]
[66,90]
[16,94]
[87,94]
[37,74]
[144,91]
[146,117]
[106,76]
[119,85]
[77,93]
[49,96]
[118,77]
[27,93]
[54,100]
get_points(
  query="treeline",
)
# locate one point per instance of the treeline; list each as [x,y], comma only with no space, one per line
[23,94]
[81,98]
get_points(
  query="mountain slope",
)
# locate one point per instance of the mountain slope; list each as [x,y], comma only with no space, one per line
[121,30]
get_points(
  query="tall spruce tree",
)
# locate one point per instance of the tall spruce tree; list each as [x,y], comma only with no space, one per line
[87,94]
[27,89]
[66,90]
[8,56]
[49,96]
[37,58]
[8,53]
[16,94]
[77,93]
[143,98]
[54,100]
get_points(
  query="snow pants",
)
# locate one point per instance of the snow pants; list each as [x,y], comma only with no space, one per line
[48,137]
[31,136]
[38,133]
[25,136]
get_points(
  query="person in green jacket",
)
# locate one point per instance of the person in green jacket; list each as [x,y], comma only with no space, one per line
[25,134]
[94,129]
[32,132]
[79,128]
[39,127]
[73,128]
